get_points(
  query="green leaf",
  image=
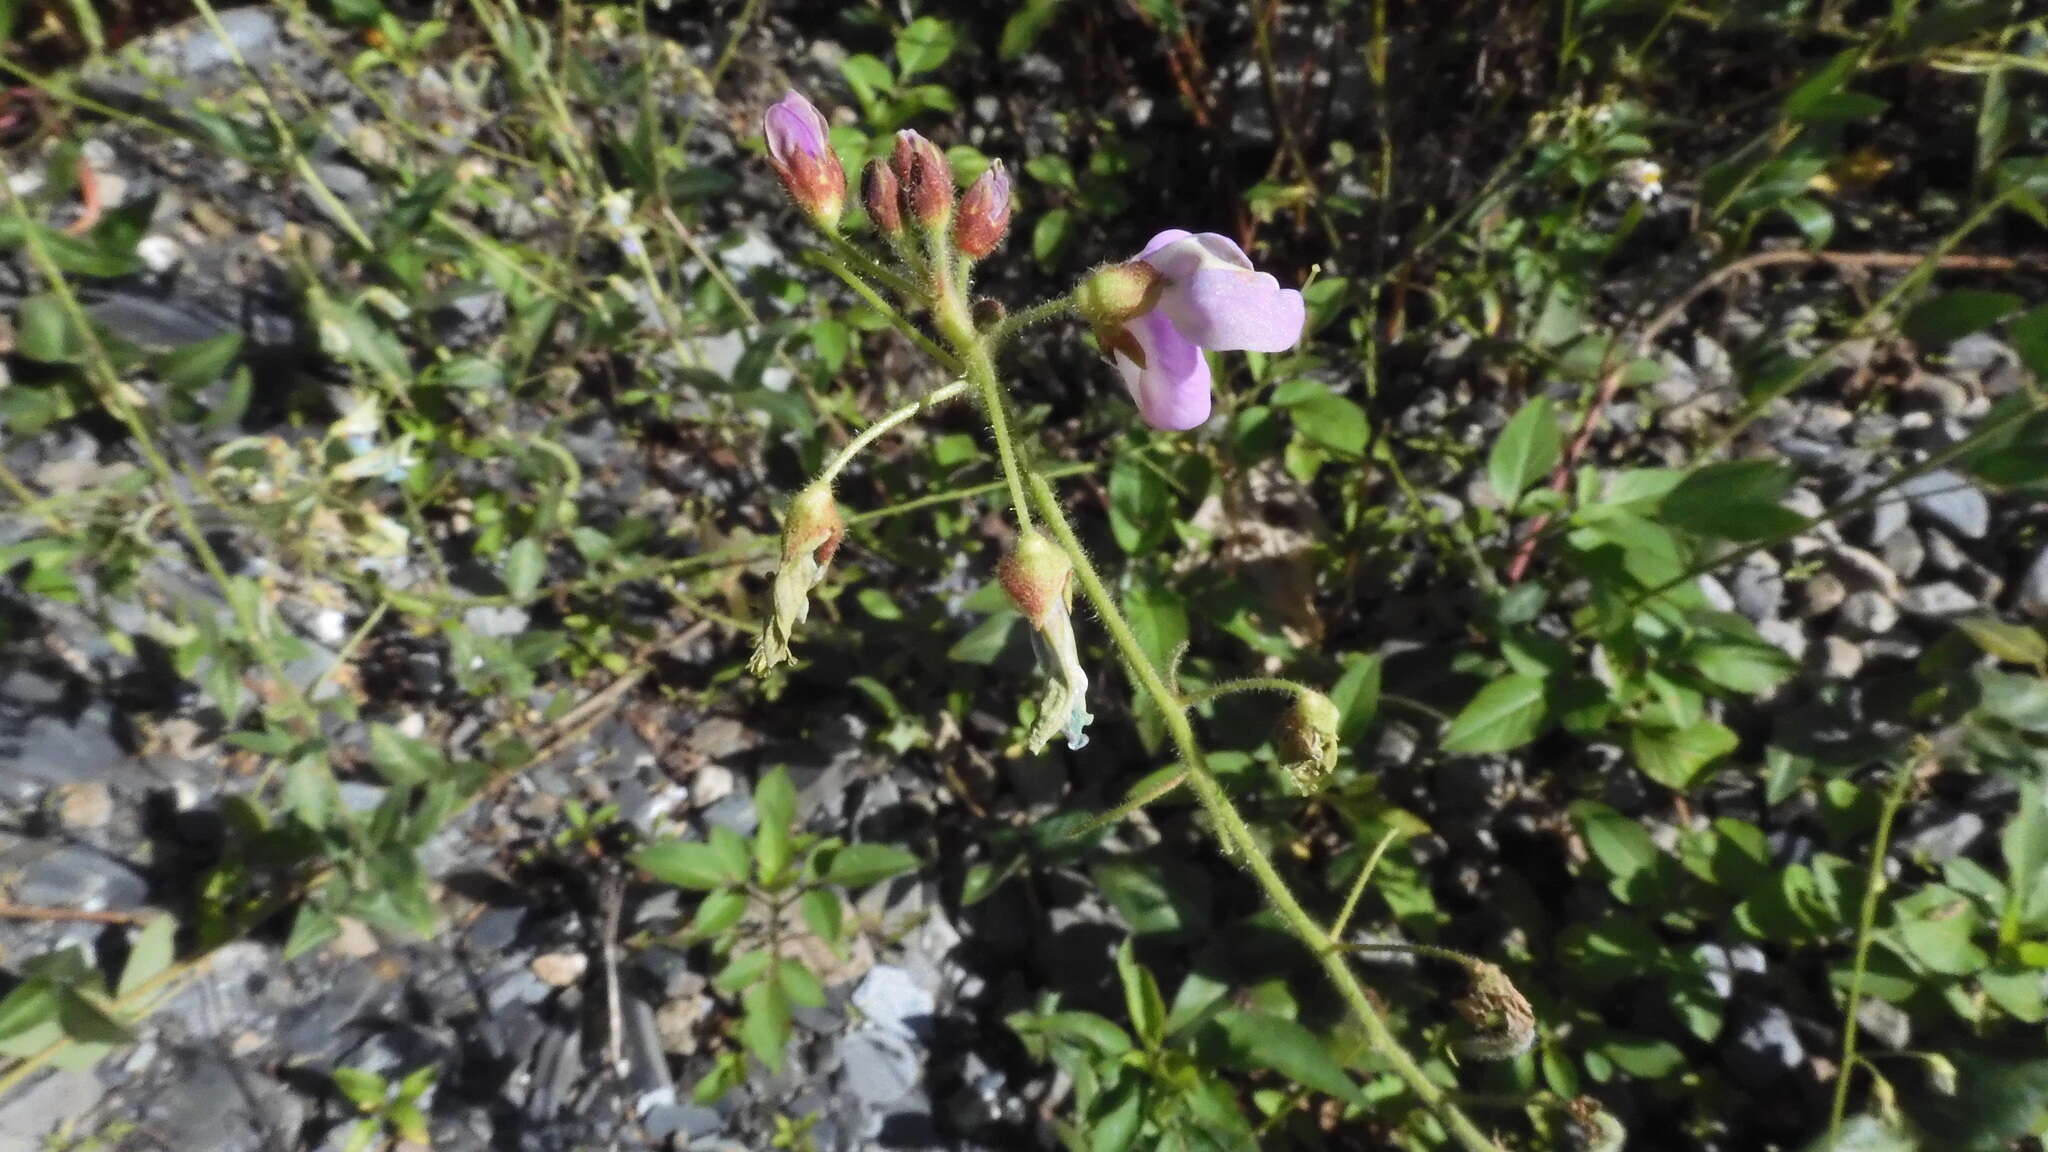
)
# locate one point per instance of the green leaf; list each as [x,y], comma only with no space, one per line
[1951,316]
[923,45]
[1155,893]
[1333,422]
[1116,1117]
[1810,97]
[1049,234]
[1260,1041]
[765,1029]
[775,801]
[822,912]
[1734,500]
[1813,220]
[1159,618]
[1944,945]
[30,1004]
[734,855]
[43,331]
[1674,757]
[1025,26]
[1357,696]
[859,865]
[525,564]
[312,926]
[985,642]
[1743,667]
[1528,448]
[1142,1001]
[2024,844]
[744,970]
[149,955]
[719,912]
[196,366]
[1622,846]
[800,984]
[2012,643]
[84,1018]
[1140,504]
[2029,336]
[401,759]
[685,864]
[364,1089]
[1507,713]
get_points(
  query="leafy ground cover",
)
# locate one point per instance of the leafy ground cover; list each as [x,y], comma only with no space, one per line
[402,405]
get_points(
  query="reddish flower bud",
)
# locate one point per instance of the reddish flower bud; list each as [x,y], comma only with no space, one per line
[883,195]
[927,179]
[801,152]
[984,213]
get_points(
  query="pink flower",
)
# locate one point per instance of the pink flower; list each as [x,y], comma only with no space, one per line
[1210,297]
[802,154]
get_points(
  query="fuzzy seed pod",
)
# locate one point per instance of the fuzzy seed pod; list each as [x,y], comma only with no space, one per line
[1308,741]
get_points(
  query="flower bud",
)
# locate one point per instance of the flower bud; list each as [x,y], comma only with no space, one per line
[810,536]
[926,177]
[883,195]
[801,151]
[1308,741]
[984,215]
[1503,1025]
[1040,580]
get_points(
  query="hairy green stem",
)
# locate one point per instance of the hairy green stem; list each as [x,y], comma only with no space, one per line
[1009,326]
[873,431]
[980,368]
[1237,837]
[1247,684]
[896,318]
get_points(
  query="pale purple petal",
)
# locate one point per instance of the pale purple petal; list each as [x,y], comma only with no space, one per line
[794,125]
[1161,241]
[1234,310]
[1184,253]
[1172,389]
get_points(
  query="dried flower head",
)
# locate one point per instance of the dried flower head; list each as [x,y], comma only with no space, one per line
[809,538]
[1503,1025]
[1592,1128]
[1308,741]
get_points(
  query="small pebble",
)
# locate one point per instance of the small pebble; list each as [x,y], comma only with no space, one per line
[85,805]
[560,969]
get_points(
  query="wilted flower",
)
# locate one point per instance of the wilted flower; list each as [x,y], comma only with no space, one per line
[809,538]
[1308,740]
[802,153]
[1503,1024]
[1040,580]
[984,213]
[1208,296]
